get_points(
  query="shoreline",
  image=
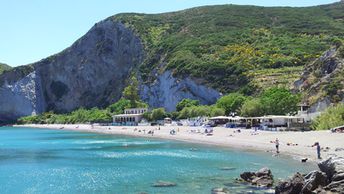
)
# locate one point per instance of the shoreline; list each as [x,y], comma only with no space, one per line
[247,139]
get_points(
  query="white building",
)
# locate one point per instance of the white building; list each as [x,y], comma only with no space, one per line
[131,116]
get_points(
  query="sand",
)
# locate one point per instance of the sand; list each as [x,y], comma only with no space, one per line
[247,139]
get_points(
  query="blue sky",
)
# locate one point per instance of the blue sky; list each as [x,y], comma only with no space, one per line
[35,29]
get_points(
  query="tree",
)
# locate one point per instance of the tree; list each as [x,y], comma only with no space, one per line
[158,114]
[131,92]
[119,106]
[186,103]
[185,113]
[252,107]
[231,103]
[215,111]
[279,101]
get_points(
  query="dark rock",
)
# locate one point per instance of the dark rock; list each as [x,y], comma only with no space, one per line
[164,184]
[329,180]
[263,181]
[313,180]
[248,176]
[263,172]
[332,166]
[220,191]
[338,176]
[261,178]
[294,185]
[336,187]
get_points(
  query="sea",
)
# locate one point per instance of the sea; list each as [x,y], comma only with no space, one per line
[58,161]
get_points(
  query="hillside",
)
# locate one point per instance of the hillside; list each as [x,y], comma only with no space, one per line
[4,67]
[197,53]
[322,81]
[224,44]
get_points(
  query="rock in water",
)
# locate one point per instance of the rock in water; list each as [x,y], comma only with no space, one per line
[294,185]
[247,176]
[261,178]
[164,184]
[263,181]
[263,172]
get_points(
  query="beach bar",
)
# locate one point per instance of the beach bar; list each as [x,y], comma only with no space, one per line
[270,122]
[131,117]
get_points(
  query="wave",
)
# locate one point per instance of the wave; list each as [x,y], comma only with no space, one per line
[148,153]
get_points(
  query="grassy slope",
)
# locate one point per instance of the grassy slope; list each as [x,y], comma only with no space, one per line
[225,45]
[4,67]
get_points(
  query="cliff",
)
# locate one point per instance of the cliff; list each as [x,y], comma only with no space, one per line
[322,81]
[92,72]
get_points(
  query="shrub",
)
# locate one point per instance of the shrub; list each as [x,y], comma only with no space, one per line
[186,103]
[252,107]
[158,114]
[332,117]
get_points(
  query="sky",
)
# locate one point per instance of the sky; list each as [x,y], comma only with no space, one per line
[34,29]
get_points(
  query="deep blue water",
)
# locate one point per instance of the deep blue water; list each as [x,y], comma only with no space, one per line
[55,161]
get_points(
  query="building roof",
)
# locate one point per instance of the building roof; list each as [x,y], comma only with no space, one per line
[126,115]
[219,117]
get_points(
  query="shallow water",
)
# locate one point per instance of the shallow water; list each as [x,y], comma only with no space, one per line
[55,161]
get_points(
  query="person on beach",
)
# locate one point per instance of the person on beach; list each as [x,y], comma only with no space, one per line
[318,149]
[277,145]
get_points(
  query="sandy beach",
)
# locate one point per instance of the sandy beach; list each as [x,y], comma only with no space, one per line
[295,144]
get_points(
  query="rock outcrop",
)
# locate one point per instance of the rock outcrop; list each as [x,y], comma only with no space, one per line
[322,81]
[330,178]
[294,185]
[92,72]
[261,178]
[167,91]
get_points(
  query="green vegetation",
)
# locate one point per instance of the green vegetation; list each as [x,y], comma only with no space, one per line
[281,77]
[231,102]
[4,67]
[186,103]
[279,101]
[196,111]
[130,99]
[81,115]
[332,117]
[131,92]
[225,44]
[158,114]
[155,114]
[252,107]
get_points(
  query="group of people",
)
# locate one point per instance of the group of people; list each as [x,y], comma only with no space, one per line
[316,144]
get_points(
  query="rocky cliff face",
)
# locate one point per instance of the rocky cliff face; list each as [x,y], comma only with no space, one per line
[92,72]
[23,97]
[167,91]
[322,81]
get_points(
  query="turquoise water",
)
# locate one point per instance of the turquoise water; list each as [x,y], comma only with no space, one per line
[51,161]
